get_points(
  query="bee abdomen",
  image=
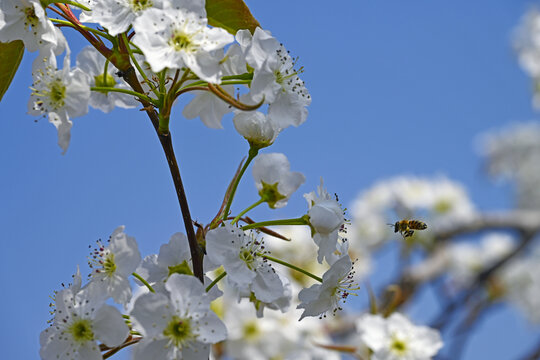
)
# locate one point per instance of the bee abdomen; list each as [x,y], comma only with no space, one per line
[417,225]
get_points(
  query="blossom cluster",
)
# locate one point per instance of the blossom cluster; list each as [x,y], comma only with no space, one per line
[513,154]
[527,46]
[248,300]
[166,38]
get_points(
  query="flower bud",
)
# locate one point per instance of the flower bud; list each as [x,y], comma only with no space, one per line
[256,127]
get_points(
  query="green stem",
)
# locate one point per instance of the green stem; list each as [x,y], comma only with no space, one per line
[141,279]
[136,63]
[305,272]
[97,32]
[297,221]
[251,155]
[235,82]
[205,83]
[254,205]
[244,76]
[123,91]
[163,128]
[105,68]
[221,276]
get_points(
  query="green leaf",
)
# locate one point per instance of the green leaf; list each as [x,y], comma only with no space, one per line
[231,15]
[10,57]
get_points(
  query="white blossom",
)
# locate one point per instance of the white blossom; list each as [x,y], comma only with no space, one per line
[61,94]
[173,38]
[276,336]
[173,258]
[467,260]
[26,20]
[206,105]
[113,264]
[90,61]
[179,325]
[527,45]
[437,201]
[396,338]
[513,153]
[242,257]
[275,79]
[274,180]
[117,15]
[81,319]
[337,284]
[521,284]
[326,219]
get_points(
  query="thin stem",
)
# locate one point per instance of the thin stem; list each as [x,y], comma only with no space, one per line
[136,63]
[128,342]
[297,221]
[123,91]
[221,276]
[196,253]
[235,82]
[166,143]
[305,272]
[251,155]
[95,31]
[105,68]
[252,206]
[141,279]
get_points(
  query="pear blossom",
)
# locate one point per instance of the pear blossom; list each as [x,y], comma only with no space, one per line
[337,284]
[527,45]
[326,219]
[521,284]
[26,20]
[174,258]
[174,38]
[438,201]
[117,15]
[206,105]
[275,79]
[274,180]
[90,61]
[513,153]
[179,325]
[276,336]
[282,303]
[257,128]
[113,264]
[61,94]
[81,320]
[242,257]
[467,260]
[257,47]
[396,338]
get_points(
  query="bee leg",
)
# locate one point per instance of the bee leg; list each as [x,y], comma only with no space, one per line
[409,233]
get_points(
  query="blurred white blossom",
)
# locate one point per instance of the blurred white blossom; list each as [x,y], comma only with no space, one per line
[513,153]
[396,338]
[467,259]
[527,45]
[438,201]
[521,284]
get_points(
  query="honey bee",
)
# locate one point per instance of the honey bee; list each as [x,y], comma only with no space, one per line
[406,227]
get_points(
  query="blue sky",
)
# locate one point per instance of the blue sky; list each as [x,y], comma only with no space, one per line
[398,87]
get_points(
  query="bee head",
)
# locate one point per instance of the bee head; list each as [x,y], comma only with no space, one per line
[396,226]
